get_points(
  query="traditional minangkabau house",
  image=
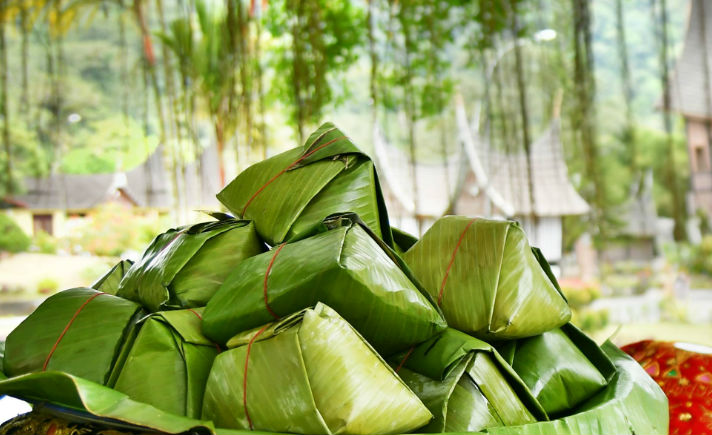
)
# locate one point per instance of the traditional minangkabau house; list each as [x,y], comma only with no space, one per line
[483,181]
[691,96]
[48,202]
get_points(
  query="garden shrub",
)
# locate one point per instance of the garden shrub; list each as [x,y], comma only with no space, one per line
[12,238]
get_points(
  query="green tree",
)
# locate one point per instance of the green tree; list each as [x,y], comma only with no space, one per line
[318,39]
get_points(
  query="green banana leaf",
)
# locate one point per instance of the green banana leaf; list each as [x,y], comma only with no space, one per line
[486,279]
[561,367]
[309,373]
[168,363]
[288,195]
[466,384]
[402,241]
[346,267]
[78,331]
[83,400]
[632,403]
[2,358]
[109,283]
[182,268]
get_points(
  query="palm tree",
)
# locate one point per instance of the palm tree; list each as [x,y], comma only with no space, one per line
[213,66]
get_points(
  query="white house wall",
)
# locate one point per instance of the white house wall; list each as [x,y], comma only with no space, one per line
[547,236]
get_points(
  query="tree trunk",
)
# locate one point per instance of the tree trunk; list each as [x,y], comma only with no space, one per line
[628,128]
[524,116]
[260,89]
[410,110]
[150,61]
[177,164]
[124,73]
[678,209]
[370,18]
[220,139]
[585,115]
[24,55]
[9,186]
[245,79]
[297,72]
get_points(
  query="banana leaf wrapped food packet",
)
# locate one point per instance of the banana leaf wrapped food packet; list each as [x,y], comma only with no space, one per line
[309,373]
[78,331]
[346,267]
[466,384]
[402,241]
[288,195]
[109,282]
[168,363]
[183,267]
[486,278]
[561,367]
[2,358]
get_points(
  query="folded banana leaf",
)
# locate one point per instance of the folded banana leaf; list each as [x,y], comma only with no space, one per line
[348,268]
[402,241]
[466,384]
[82,400]
[288,195]
[78,331]
[309,373]
[109,283]
[2,358]
[561,367]
[168,363]
[632,403]
[486,279]
[182,268]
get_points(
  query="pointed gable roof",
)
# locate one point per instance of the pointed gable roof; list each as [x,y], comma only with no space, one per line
[691,81]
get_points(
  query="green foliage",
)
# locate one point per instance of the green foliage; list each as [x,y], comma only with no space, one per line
[47,286]
[12,239]
[113,229]
[704,218]
[653,145]
[700,260]
[579,296]
[45,243]
[590,320]
[28,157]
[107,143]
[315,41]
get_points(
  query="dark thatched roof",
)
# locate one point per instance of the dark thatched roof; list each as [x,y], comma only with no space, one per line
[147,185]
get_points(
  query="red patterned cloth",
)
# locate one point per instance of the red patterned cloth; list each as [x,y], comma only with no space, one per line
[686,378]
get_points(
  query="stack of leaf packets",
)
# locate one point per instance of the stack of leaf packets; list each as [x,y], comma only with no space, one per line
[109,282]
[309,373]
[345,267]
[486,279]
[312,370]
[288,195]
[182,268]
[562,367]
[168,363]
[466,385]
[78,331]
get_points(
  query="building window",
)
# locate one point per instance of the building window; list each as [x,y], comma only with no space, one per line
[42,222]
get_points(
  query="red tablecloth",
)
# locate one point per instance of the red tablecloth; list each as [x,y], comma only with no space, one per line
[686,378]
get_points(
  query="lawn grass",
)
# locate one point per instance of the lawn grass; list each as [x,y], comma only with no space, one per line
[629,333]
